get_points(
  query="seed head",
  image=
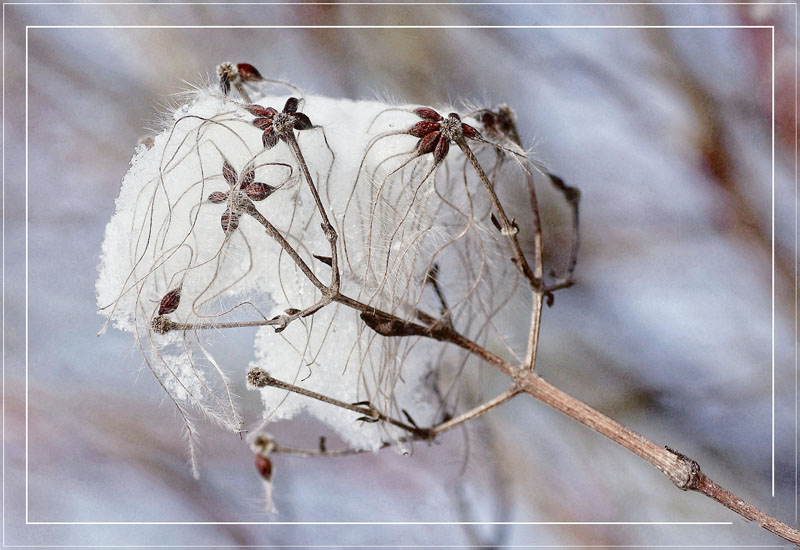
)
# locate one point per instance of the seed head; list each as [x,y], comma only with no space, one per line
[258,377]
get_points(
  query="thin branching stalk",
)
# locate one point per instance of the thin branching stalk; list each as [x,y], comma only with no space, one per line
[435,135]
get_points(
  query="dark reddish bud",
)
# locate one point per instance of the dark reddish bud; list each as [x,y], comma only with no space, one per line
[229,221]
[262,123]
[247,178]
[258,110]
[248,73]
[302,122]
[264,467]
[268,138]
[291,105]
[427,113]
[170,301]
[470,132]
[259,191]
[428,143]
[229,173]
[455,116]
[217,197]
[422,129]
[441,150]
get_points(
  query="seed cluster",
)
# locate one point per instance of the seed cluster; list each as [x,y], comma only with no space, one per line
[436,132]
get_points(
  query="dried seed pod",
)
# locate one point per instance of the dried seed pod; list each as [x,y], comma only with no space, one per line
[170,301]
[264,467]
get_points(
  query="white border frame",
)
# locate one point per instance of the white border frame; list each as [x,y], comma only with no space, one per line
[772,27]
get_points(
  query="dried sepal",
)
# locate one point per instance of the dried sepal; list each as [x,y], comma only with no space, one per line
[248,177]
[441,150]
[422,129]
[428,143]
[226,73]
[248,73]
[218,197]
[229,173]
[225,84]
[268,138]
[263,123]
[291,105]
[170,301]
[302,122]
[229,221]
[428,114]
[259,191]
[470,132]
[259,111]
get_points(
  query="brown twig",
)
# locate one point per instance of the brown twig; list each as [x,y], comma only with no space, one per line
[367,411]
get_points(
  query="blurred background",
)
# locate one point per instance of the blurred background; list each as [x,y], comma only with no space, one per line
[670,328]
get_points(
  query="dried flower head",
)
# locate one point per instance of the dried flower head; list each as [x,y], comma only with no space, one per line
[236,75]
[242,191]
[257,377]
[278,124]
[436,133]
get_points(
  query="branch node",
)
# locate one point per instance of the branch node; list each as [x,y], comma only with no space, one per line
[162,324]
[258,377]
[688,474]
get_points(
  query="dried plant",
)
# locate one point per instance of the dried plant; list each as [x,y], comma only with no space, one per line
[382,266]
